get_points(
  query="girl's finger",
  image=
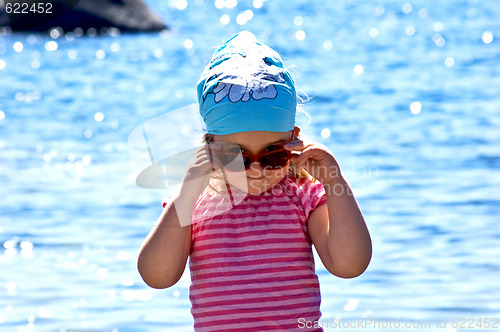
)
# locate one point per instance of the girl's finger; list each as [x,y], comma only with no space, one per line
[295,145]
[307,154]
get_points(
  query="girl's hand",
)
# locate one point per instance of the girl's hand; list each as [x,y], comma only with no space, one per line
[199,170]
[316,159]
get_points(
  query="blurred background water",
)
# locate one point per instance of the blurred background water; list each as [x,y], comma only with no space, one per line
[405,93]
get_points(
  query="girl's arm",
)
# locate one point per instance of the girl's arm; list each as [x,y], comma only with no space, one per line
[337,228]
[163,256]
[339,232]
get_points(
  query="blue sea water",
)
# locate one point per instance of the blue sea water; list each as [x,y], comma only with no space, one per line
[406,94]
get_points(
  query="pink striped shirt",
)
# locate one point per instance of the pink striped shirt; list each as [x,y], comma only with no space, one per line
[252,265]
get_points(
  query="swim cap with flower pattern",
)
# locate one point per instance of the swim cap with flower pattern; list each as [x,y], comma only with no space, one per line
[246,87]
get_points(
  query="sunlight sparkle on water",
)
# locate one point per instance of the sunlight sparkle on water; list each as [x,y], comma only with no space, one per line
[83,261]
[136,295]
[18,47]
[78,32]
[325,133]
[438,26]
[87,89]
[487,37]
[225,19]
[32,39]
[422,13]
[114,47]
[407,8]
[11,287]
[438,40]
[373,32]
[51,46]
[44,312]
[358,69]
[70,36]
[10,244]
[122,255]
[99,117]
[35,64]
[298,20]
[351,305]
[26,245]
[100,54]
[257,4]
[86,160]
[28,97]
[300,35]
[55,33]
[139,88]
[379,11]
[471,12]
[128,282]
[2,64]
[244,17]
[158,53]
[114,32]
[449,61]
[72,54]
[181,4]
[92,32]
[219,4]
[188,44]
[231,3]
[410,30]
[102,273]
[415,107]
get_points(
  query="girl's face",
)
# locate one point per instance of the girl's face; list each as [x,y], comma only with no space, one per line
[258,179]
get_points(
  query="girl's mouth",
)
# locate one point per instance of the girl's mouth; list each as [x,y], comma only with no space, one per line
[254,179]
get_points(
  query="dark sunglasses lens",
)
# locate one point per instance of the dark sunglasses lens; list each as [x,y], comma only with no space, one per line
[230,157]
[227,157]
[247,162]
[275,160]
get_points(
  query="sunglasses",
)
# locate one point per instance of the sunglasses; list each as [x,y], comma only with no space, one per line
[273,157]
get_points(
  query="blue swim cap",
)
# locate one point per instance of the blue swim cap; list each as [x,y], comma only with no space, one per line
[246,87]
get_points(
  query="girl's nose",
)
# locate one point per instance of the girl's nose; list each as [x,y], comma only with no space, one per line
[255,170]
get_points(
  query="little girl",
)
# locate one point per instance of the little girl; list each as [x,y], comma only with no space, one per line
[251,220]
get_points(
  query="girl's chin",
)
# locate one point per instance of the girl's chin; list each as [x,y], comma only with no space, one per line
[255,186]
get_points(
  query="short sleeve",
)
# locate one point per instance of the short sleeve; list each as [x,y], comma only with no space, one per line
[313,196]
[165,201]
